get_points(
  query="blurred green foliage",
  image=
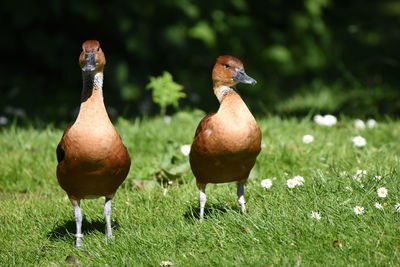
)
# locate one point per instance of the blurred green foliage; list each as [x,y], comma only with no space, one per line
[166,92]
[321,55]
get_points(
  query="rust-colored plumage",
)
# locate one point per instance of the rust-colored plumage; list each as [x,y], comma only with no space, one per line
[92,166]
[226,143]
[92,160]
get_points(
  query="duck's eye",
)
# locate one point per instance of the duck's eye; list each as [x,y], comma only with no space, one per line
[227,66]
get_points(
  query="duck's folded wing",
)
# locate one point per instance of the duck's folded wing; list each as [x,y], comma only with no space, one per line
[60,147]
[204,124]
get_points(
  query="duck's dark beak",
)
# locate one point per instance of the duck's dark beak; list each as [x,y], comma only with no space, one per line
[242,77]
[89,62]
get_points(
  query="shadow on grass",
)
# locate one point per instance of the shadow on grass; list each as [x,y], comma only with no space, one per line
[67,229]
[211,210]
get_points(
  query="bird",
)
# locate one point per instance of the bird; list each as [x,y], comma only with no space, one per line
[226,143]
[92,160]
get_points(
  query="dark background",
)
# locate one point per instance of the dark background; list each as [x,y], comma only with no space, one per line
[318,56]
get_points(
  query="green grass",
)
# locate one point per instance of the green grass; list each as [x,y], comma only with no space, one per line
[154,221]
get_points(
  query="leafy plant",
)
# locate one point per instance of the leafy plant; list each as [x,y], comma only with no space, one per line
[165,91]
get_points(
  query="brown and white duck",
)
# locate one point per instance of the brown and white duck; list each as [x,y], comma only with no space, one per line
[92,160]
[226,143]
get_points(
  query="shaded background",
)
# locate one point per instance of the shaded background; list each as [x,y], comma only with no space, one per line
[320,56]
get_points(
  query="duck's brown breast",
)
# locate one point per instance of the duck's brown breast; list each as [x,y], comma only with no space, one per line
[95,161]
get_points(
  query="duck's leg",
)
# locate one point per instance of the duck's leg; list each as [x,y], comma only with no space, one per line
[240,194]
[203,198]
[107,215]
[78,220]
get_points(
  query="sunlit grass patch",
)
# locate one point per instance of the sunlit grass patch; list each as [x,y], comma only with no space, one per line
[155,213]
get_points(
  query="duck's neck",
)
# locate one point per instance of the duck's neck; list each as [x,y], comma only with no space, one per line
[92,85]
[231,104]
[92,103]
[221,91]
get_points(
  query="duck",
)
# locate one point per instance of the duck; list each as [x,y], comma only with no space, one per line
[226,143]
[92,160]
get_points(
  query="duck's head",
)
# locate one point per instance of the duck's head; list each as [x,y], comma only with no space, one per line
[92,57]
[229,71]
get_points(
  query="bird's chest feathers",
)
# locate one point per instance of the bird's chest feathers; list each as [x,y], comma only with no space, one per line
[236,131]
[91,142]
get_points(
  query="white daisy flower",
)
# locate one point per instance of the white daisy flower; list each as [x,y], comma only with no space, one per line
[308,139]
[343,173]
[185,150]
[327,120]
[315,215]
[357,178]
[291,183]
[166,263]
[361,172]
[378,206]
[358,210]
[266,183]
[382,192]
[167,119]
[348,188]
[371,123]
[359,124]
[359,141]
[299,180]
[397,207]
[330,120]
[378,178]
[319,119]
[3,120]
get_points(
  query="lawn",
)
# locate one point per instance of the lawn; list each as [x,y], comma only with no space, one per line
[157,221]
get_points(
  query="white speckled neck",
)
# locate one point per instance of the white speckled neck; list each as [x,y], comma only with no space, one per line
[92,81]
[223,90]
[98,81]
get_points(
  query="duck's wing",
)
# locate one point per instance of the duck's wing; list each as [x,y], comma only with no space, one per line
[60,147]
[204,124]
